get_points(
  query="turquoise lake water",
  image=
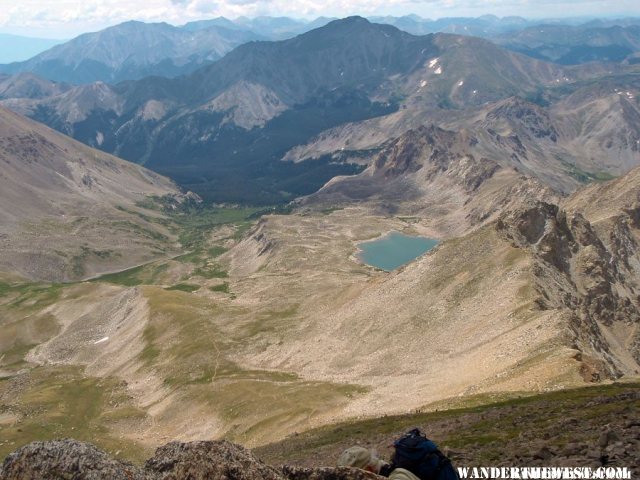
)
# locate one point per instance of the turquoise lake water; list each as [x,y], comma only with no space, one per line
[394,250]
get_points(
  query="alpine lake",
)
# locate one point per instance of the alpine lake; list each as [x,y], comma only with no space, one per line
[393,250]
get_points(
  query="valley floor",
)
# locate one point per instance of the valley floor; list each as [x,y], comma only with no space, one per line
[269,327]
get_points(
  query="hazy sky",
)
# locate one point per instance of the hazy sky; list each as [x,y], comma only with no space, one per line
[67,18]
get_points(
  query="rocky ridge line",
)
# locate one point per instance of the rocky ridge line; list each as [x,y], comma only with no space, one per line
[211,460]
[587,274]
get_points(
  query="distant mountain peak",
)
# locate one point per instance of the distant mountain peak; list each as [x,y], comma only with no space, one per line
[129,23]
[133,50]
[354,19]
[347,22]
[515,102]
[357,25]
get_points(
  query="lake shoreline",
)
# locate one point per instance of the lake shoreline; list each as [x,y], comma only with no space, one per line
[393,249]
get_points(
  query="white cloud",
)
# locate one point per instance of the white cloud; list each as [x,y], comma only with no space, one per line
[70,17]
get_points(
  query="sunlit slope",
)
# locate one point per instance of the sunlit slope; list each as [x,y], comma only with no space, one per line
[169,351]
[430,331]
[67,211]
[263,332]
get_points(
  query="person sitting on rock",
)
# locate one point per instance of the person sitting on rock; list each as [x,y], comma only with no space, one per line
[415,457]
[360,457]
[363,458]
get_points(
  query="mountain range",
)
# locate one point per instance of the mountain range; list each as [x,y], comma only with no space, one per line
[224,130]
[589,133]
[132,50]
[272,28]
[241,109]
[571,45]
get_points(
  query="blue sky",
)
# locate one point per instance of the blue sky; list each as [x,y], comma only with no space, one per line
[67,18]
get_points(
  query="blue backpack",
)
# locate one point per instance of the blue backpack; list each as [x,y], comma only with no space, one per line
[416,453]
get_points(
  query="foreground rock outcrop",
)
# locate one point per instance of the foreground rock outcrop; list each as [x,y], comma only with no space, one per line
[207,459]
[68,459]
[210,460]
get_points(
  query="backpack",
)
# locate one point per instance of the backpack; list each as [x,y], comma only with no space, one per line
[416,453]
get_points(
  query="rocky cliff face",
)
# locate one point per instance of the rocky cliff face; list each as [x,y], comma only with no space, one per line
[530,117]
[589,274]
[428,167]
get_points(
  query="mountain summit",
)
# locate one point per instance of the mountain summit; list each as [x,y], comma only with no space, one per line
[349,52]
